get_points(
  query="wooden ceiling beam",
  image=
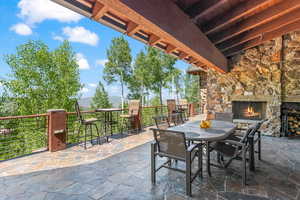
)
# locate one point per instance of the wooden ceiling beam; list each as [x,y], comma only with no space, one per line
[154,39]
[201,8]
[170,48]
[267,27]
[98,11]
[182,55]
[86,3]
[265,37]
[156,17]
[263,17]
[243,9]
[131,28]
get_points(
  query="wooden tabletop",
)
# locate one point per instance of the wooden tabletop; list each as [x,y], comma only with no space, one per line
[108,109]
[219,130]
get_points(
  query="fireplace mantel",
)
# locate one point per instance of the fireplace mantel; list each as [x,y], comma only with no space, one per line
[252,98]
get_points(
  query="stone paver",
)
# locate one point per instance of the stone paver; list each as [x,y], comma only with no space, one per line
[121,170]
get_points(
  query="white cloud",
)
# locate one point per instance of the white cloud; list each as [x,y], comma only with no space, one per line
[59,38]
[84,90]
[82,61]
[81,35]
[36,11]
[93,85]
[21,29]
[101,62]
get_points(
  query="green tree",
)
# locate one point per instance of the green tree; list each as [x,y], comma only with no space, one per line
[191,88]
[139,83]
[177,85]
[118,68]
[100,99]
[161,66]
[41,79]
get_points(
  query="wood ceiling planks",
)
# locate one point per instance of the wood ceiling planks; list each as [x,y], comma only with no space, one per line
[231,25]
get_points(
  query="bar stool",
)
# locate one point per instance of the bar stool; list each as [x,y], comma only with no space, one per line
[87,123]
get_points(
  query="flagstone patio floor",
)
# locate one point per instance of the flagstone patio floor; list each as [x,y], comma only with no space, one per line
[120,169]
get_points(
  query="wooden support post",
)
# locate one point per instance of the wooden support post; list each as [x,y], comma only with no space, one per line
[57,134]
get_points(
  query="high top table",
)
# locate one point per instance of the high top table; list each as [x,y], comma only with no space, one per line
[108,118]
[219,130]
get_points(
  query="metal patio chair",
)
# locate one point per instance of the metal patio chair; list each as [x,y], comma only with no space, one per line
[87,123]
[235,148]
[128,120]
[172,109]
[173,146]
[224,116]
[161,122]
[177,119]
[183,107]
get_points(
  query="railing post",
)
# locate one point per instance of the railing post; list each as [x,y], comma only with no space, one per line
[57,134]
[192,109]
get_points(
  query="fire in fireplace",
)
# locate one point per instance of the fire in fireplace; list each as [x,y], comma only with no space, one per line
[248,110]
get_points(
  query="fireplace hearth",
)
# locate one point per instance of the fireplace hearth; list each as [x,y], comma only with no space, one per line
[247,110]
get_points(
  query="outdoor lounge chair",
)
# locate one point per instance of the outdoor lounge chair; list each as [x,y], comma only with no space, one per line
[235,148]
[173,145]
[129,120]
[161,122]
[88,124]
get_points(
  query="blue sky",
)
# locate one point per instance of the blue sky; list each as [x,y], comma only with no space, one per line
[22,20]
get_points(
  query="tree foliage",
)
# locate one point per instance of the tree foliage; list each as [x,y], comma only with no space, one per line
[41,79]
[191,83]
[118,68]
[161,66]
[100,99]
[140,80]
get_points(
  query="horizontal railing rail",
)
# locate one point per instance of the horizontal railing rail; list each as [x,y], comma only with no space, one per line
[22,135]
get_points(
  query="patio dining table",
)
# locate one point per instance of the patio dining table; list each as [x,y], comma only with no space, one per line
[219,130]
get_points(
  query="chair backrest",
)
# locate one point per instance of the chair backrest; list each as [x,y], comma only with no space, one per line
[78,112]
[134,107]
[176,118]
[250,132]
[170,143]
[224,116]
[161,122]
[171,104]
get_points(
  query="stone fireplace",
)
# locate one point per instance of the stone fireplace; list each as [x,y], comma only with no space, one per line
[248,110]
[269,74]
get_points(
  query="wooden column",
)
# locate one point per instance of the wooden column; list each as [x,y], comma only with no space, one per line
[57,135]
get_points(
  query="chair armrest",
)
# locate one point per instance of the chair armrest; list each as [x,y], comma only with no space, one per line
[192,147]
[241,129]
[233,142]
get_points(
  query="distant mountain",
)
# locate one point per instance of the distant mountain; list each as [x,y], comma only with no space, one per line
[85,102]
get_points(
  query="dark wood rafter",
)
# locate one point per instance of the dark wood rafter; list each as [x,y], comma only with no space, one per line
[263,17]
[234,15]
[256,32]
[263,38]
[193,41]
[201,8]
